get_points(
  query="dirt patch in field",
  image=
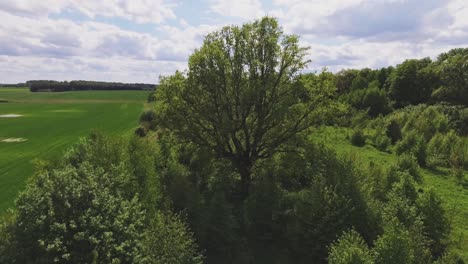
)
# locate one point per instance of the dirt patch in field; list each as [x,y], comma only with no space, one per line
[10,116]
[13,140]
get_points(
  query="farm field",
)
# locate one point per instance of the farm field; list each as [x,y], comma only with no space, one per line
[455,195]
[48,123]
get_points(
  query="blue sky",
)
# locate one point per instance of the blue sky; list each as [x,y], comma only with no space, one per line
[138,40]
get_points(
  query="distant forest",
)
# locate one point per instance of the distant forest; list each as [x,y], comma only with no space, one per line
[55,86]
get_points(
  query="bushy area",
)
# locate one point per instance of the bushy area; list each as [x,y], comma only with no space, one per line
[98,204]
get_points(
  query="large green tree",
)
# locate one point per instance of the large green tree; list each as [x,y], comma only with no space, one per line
[412,82]
[453,70]
[242,95]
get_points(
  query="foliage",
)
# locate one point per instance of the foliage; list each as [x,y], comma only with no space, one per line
[453,68]
[436,225]
[412,82]
[242,97]
[55,86]
[78,215]
[148,120]
[412,144]
[358,138]
[408,163]
[447,150]
[394,246]
[426,120]
[168,240]
[373,99]
[350,248]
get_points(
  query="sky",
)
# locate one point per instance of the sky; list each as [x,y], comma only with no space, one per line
[140,40]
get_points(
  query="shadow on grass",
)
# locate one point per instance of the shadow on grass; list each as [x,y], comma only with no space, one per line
[439,172]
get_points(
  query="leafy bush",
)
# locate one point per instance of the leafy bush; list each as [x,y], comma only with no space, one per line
[168,240]
[78,215]
[148,119]
[447,150]
[358,138]
[373,99]
[141,131]
[350,248]
[408,163]
[394,131]
[413,144]
[436,225]
[426,120]
[382,142]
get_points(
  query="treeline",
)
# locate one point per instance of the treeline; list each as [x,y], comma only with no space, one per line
[55,86]
[13,84]
[412,82]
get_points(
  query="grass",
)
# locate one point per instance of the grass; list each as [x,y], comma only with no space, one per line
[52,122]
[454,195]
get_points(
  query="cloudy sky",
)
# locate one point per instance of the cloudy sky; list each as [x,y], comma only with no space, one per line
[138,40]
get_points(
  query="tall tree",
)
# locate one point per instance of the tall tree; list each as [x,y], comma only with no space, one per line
[453,69]
[242,96]
[412,82]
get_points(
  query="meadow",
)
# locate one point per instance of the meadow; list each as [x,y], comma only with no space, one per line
[49,123]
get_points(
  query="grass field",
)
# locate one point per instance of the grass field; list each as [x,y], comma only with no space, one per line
[454,195]
[51,122]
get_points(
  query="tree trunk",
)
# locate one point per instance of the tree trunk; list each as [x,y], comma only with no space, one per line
[244,172]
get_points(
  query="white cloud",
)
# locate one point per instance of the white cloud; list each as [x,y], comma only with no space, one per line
[140,11]
[247,9]
[34,44]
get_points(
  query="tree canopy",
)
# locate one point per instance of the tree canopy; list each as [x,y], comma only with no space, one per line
[242,96]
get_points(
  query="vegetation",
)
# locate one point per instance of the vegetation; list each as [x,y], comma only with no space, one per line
[55,86]
[243,158]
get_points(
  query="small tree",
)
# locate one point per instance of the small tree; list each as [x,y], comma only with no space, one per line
[350,248]
[77,215]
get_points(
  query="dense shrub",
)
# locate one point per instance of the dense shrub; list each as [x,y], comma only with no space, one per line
[168,240]
[378,134]
[141,131]
[408,163]
[426,120]
[436,225]
[393,131]
[350,248]
[358,138]
[78,215]
[373,99]
[447,150]
[412,144]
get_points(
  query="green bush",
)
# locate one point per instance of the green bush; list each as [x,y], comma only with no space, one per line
[408,163]
[169,240]
[382,142]
[78,215]
[372,99]
[447,150]
[141,131]
[358,138]
[436,225]
[350,248]
[394,131]
[413,144]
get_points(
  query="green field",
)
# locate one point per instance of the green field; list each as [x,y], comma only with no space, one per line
[454,195]
[51,122]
